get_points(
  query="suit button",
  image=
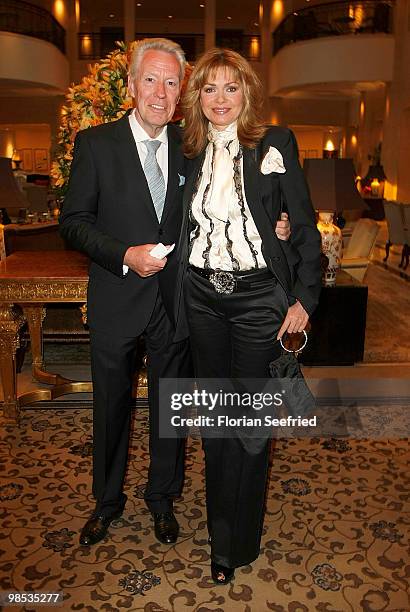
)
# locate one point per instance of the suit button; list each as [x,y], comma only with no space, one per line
[160,231]
[275,258]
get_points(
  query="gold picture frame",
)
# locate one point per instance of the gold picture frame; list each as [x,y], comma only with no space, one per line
[41,160]
[26,156]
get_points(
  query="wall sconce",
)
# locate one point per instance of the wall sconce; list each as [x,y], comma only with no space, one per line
[254,48]
[86,44]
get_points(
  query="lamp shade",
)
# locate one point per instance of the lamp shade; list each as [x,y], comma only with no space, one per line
[332,184]
[10,194]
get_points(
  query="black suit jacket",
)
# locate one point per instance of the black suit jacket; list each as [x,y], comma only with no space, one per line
[295,263]
[108,208]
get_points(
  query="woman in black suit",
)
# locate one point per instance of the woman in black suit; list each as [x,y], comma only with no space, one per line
[243,287]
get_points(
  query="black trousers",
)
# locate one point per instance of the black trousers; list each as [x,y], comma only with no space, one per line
[113,361]
[233,336]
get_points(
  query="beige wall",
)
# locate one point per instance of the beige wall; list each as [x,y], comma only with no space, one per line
[35,121]
[33,143]
[31,136]
[310,142]
[370,128]
[7,142]
[302,111]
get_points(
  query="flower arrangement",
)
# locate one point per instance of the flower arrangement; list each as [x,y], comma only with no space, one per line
[101,97]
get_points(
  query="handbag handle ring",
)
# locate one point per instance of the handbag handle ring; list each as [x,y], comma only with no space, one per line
[299,349]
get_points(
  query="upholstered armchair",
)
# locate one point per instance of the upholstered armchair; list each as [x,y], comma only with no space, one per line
[406,246]
[398,225]
[37,196]
[357,255]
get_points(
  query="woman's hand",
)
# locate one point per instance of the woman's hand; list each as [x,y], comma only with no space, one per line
[282,229]
[295,321]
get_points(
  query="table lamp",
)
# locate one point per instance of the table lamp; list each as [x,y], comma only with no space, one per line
[332,189]
[374,181]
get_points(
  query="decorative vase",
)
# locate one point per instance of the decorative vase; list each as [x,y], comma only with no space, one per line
[331,246]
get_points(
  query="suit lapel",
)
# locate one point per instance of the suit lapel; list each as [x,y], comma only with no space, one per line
[253,193]
[271,248]
[195,167]
[175,163]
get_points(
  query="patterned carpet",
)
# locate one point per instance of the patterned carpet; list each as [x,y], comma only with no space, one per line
[387,325]
[336,534]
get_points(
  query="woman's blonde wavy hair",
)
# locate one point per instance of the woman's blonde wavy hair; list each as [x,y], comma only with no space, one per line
[250,121]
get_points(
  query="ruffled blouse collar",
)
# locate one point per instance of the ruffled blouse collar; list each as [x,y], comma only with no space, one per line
[226,135]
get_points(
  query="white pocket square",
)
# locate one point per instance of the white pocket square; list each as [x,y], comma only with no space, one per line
[273,162]
[181,180]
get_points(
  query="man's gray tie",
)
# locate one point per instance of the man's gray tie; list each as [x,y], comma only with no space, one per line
[154,176]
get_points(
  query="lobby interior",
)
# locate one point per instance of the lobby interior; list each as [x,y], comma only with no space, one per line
[337,524]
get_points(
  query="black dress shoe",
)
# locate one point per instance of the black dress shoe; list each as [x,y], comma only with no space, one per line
[96,528]
[166,527]
[221,574]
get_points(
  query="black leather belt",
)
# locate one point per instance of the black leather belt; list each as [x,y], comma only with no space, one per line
[227,282]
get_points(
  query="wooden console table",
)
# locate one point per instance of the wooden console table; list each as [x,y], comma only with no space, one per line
[32,279]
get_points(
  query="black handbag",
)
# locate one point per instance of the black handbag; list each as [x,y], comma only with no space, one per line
[296,396]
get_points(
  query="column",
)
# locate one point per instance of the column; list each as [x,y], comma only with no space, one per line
[210,23]
[71,37]
[396,130]
[266,48]
[129,20]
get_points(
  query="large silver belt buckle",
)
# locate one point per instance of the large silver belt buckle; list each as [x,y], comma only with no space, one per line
[223,281]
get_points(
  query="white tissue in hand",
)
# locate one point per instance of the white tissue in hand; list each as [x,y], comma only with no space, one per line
[160,250]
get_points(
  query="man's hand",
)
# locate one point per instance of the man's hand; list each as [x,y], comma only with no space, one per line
[282,229]
[295,321]
[140,261]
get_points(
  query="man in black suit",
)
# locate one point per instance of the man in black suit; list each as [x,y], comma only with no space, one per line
[124,197]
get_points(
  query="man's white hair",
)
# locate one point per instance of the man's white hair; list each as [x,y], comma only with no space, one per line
[157,44]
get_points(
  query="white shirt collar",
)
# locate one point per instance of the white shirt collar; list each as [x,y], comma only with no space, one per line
[140,134]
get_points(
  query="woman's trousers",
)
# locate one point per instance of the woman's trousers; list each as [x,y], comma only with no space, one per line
[234,336]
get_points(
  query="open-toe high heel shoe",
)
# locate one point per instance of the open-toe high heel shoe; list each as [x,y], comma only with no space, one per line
[221,574]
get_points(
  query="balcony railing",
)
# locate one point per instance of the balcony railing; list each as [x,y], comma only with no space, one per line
[335,19]
[94,45]
[24,18]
